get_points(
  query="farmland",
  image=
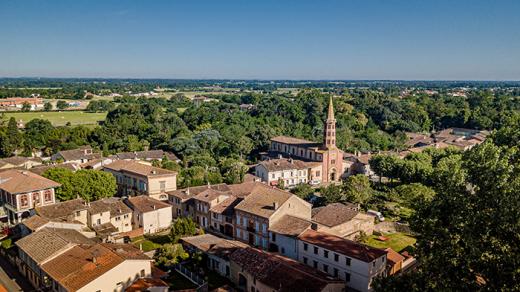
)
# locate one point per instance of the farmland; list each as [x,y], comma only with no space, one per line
[59,118]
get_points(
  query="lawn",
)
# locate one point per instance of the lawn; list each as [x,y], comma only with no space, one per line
[396,241]
[150,242]
[58,118]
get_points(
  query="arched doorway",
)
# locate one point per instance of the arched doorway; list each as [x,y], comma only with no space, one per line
[242,282]
[333,175]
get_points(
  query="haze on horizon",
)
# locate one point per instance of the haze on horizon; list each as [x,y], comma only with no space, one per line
[349,40]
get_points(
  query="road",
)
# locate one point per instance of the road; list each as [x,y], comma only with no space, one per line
[11,279]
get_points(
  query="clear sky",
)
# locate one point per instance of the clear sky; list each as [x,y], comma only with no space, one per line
[267,39]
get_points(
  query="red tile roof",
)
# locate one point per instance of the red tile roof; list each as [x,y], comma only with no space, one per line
[343,246]
[21,181]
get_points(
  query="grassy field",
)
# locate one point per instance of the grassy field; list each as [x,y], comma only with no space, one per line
[396,241]
[60,118]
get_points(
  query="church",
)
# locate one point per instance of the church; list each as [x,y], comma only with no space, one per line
[290,157]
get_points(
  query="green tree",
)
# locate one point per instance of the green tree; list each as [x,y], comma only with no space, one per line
[26,107]
[90,185]
[233,170]
[181,227]
[61,104]
[47,107]
[357,189]
[303,191]
[169,254]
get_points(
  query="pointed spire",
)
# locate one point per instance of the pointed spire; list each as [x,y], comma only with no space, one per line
[330,116]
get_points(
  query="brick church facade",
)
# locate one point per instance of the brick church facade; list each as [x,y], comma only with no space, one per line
[330,157]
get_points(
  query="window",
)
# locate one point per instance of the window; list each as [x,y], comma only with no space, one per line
[347,277]
[315,264]
[24,201]
[318,173]
[36,198]
[336,257]
[333,161]
[142,273]
[47,195]
[238,233]
[125,216]
[78,213]
[315,250]
[326,268]
[305,246]
[304,260]
[118,218]
[162,185]
[283,250]
[326,253]
[335,272]
[98,221]
[273,237]
[373,263]
[347,261]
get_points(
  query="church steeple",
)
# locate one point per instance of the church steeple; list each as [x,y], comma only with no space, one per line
[329,133]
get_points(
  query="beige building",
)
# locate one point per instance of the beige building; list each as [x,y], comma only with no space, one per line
[344,220]
[98,267]
[263,207]
[256,270]
[290,172]
[41,247]
[21,191]
[19,162]
[150,214]
[134,178]
[81,155]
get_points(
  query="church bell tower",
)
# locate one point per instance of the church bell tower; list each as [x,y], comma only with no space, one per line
[329,133]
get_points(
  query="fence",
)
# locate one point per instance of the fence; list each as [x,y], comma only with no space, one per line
[193,277]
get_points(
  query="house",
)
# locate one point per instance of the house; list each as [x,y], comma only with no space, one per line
[19,162]
[182,199]
[356,264]
[97,163]
[394,261]
[97,267]
[206,200]
[21,191]
[40,169]
[256,270]
[42,246]
[150,214]
[217,250]
[330,158]
[148,155]
[283,235]
[73,211]
[134,178]
[262,208]
[289,171]
[343,220]
[81,155]
[18,102]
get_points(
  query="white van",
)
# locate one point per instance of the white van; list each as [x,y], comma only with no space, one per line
[376,214]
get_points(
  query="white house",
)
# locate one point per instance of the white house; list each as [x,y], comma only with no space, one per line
[150,214]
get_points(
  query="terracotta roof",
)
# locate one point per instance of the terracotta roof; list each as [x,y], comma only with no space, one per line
[279,273]
[193,191]
[364,158]
[42,168]
[47,242]
[227,206]
[21,181]
[261,200]
[77,154]
[35,222]
[343,246]
[210,194]
[62,211]
[393,257]
[144,284]
[244,189]
[334,214]
[214,245]
[82,264]
[19,160]
[290,226]
[138,168]
[295,141]
[113,205]
[145,204]
[286,164]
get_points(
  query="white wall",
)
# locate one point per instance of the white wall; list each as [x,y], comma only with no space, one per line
[156,220]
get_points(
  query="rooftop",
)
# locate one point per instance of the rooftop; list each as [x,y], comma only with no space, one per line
[343,246]
[281,274]
[21,181]
[145,204]
[84,152]
[113,205]
[262,200]
[295,141]
[334,214]
[290,226]
[82,264]
[35,222]
[286,164]
[138,168]
[47,242]
[146,155]
[193,191]
[62,211]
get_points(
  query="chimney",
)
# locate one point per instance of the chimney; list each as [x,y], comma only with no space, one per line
[314,226]
[275,205]
[94,260]
[153,207]
[154,171]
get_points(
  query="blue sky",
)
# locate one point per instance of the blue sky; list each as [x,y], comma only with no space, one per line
[268,39]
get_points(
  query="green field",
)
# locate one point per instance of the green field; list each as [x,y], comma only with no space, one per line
[59,118]
[396,241]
